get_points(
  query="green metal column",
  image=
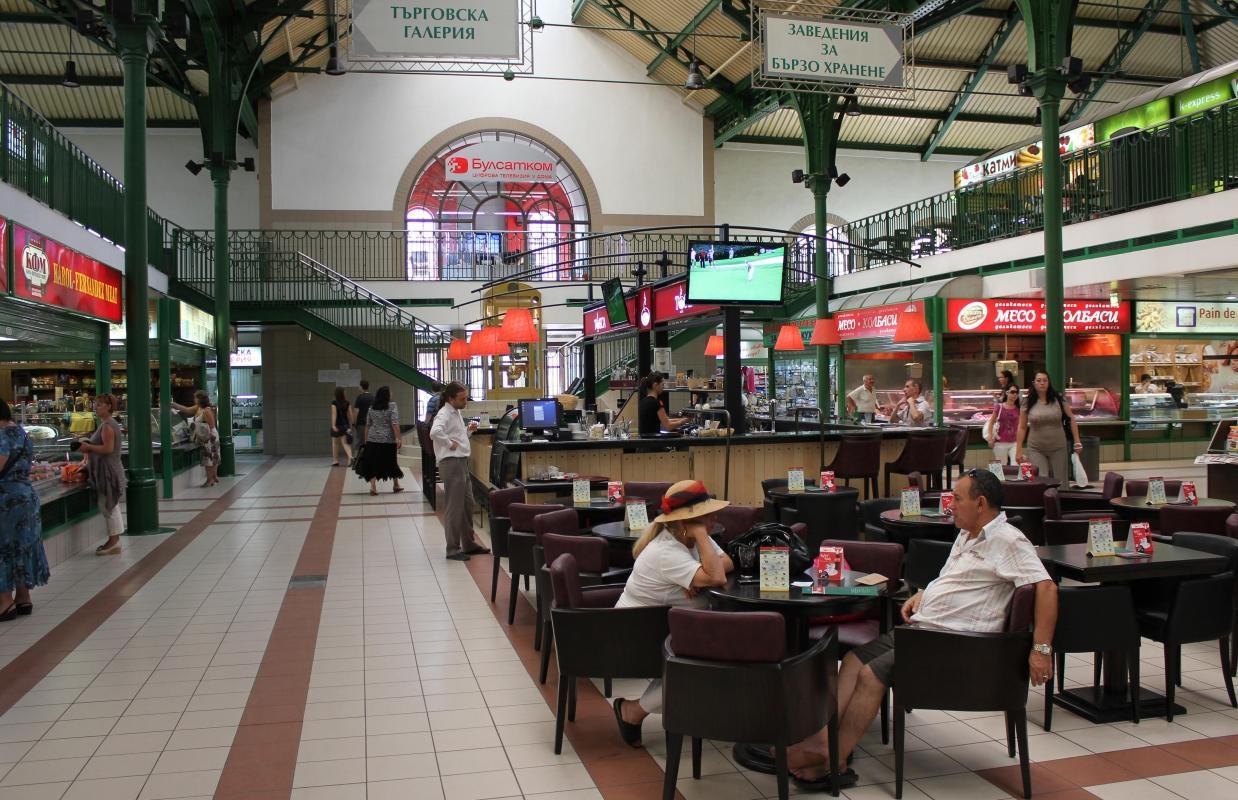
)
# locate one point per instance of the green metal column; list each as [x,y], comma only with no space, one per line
[934,309]
[136,39]
[165,393]
[220,175]
[842,383]
[1124,410]
[103,366]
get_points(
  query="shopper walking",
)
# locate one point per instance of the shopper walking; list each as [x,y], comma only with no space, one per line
[23,563]
[341,433]
[361,412]
[451,450]
[1004,424]
[382,443]
[105,474]
[1043,427]
[205,433]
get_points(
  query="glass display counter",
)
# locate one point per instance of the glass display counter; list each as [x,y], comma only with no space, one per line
[1157,408]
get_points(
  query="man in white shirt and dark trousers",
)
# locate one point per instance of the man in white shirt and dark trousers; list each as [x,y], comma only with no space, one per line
[451,450]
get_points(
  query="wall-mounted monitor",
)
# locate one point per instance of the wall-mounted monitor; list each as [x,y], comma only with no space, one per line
[736,273]
[616,305]
[540,414]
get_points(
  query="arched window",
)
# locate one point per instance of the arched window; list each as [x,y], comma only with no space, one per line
[422,253]
[474,225]
[838,252]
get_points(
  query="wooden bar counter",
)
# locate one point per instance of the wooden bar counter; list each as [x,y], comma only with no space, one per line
[754,457]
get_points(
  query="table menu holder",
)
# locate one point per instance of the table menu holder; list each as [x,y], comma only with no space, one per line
[1141,540]
[637,515]
[1025,471]
[1156,492]
[1187,493]
[910,504]
[1100,537]
[580,493]
[775,569]
[827,480]
[830,561]
[795,479]
[614,491]
[995,467]
[947,503]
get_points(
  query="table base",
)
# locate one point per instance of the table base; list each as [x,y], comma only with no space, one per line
[1094,704]
[754,757]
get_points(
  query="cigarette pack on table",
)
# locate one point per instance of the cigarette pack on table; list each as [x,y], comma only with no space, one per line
[827,480]
[614,491]
[775,569]
[1141,538]
[1189,495]
[1156,492]
[910,504]
[795,479]
[947,503]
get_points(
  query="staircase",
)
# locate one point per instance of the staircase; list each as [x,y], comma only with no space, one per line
[273,286]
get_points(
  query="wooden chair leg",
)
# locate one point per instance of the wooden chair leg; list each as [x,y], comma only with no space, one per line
[537,623]
[696,757]
[674,747]
[885,717]
[548,637]
[494,578]
[607,688]
[571,701]
[780,768]
[1132,669]
[887,494]
[1025,767]
[561,712]
[1226,671]
[1010,751]
[1172,665]
[899,721]
[511,599]
[1048,724]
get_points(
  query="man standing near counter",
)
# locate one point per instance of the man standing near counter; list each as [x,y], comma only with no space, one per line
[862,400]
[913,410]
[451,449]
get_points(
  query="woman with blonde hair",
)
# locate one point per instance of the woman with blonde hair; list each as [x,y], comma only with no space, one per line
[106,473]
[675,560]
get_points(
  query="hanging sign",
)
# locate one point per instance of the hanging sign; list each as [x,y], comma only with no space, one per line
[1028,316]
[511,162]
[1027,156]
[670,302]
[874,323]
[246,357]
[597,321]
[424,29]
[47,272]
[197,326]
[832,50]
[644,308]
[4,255]
[1186,317]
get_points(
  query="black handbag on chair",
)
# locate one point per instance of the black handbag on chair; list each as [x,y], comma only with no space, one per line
[744,550]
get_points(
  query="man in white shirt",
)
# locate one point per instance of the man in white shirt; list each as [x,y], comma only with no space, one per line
[989,560]
[451,451]
[913,410]
[862,400]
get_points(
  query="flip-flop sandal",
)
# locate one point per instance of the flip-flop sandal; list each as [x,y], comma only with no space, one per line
[846,780]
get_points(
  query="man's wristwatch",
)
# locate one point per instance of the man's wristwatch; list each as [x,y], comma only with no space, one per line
[1043,649]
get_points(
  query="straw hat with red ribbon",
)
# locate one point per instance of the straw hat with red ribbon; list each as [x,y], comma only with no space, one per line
[688,500]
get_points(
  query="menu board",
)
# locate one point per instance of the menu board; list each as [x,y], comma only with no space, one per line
[49,273]
[1100,537]
[875,323]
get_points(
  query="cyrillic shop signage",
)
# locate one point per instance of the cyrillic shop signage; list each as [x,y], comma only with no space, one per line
[47,272]
[597,321]
[875,323]
[4,255]
[427,29]
[1020,315]
[500,161]
[832,50]
[1186,317]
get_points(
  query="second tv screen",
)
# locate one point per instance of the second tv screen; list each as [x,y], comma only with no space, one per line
[735,272]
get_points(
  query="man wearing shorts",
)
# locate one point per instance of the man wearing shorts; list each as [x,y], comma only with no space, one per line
[989,560]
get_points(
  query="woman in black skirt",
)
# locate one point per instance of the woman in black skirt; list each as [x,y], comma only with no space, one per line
[382,441]
[341,436]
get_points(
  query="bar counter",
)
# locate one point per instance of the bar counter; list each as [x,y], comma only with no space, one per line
[754,457]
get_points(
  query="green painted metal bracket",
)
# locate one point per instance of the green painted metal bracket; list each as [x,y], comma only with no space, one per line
[1188,32]
[1126,43]
[682,36]
[987,58]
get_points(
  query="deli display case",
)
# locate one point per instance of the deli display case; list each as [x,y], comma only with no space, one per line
[1158,408]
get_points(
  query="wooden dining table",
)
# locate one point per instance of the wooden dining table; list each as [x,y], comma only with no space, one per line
[1110,702]
[1137,509]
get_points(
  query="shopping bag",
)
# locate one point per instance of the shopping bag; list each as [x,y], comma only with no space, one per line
[1079,478]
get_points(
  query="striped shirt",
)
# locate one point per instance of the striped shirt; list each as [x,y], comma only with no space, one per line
[973,591]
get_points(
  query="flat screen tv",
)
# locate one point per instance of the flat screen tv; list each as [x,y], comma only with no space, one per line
[539,414]
[616,305]
[736,273]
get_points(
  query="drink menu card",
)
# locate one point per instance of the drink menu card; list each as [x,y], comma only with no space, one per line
[1025,471]
[614,491]
[827,480]
[910,505]
[580,493]
[831,558]
[795,479]
[1156,492]
[1141,538]
[1100,537]
[1189,495]
[637,515]
[775,569]
[996,468]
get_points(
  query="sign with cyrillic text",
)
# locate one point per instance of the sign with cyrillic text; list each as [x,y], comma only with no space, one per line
[510,162]
[421,29]
[832,51]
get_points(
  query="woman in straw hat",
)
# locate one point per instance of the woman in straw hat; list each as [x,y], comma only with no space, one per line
[675,560]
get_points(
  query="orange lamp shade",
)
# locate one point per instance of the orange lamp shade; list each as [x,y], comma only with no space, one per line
[486,343]
[911,326]
[789,338]
[714,346]
[518,327]
[458,350]
[825,333]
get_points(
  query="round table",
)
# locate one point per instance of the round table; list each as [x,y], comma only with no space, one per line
[599,509]
[619,532]
[903,529]
[784,493]
[1136,508]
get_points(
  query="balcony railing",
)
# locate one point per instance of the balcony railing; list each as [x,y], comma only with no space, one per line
[1185,157]
[41,161]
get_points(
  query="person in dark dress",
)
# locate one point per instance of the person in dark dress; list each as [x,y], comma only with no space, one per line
[361,412]
[378,461]
[341,433]
[651,413]
[23,563]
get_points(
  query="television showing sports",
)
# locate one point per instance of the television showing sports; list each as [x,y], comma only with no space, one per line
[616,305]
[736,273]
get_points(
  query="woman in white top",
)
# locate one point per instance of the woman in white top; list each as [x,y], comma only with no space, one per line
[675,560]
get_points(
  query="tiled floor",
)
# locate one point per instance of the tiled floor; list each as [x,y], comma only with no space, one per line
[399,679]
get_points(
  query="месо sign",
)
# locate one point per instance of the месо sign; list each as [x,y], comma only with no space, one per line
[424,29]
[832,51]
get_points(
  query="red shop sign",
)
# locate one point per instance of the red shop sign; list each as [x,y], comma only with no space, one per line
[4,255]
[874,323]
[644,308]
[48,272]
[671,302]
[1028,316]
[597,321]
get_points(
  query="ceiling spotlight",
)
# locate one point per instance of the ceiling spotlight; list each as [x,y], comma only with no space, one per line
[695,79]
[85,22]
[508,75]
[1081,84]
[69,81]
[334,65]
[842,180]
[1231,296]
[852,107]
[1038,120]
[1016,73]
[175,20]
[194,166]
[1071,67]
[248,164]
[797,176]
[536,23]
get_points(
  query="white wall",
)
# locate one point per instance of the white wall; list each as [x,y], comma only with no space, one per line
[171,191]
[753,183]
[343,143]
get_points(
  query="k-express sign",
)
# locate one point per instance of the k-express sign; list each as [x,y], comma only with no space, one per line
[500,161]
[427,29]
[1028,316]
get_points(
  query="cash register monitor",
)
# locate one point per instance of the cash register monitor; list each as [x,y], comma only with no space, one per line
[540,415]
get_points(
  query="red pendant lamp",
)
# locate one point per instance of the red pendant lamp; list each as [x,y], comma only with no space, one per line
[458,350]
[714,346]
[518,327]
[789,338]
[912,326]
[825,333]
[486,343]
